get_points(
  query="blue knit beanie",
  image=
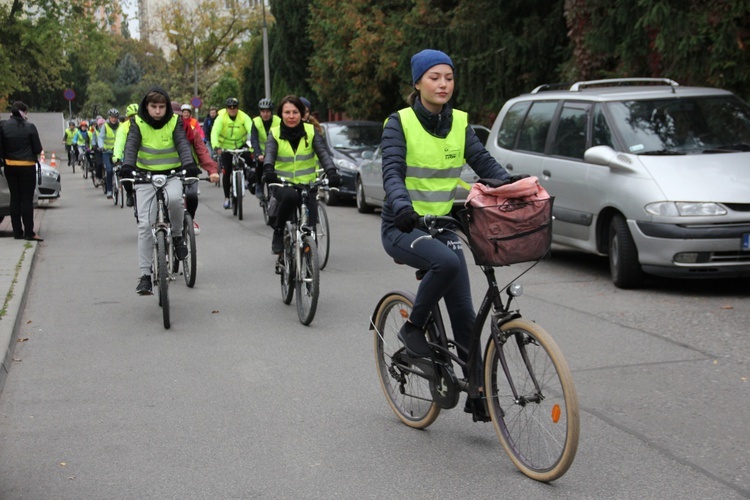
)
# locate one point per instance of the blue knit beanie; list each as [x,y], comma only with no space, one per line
[422,61]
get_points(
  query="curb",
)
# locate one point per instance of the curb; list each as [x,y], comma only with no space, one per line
[11,322]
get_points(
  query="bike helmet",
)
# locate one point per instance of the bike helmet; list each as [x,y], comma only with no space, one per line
[232,102]
[306,103]
[265,103]
[113,112]
[132,109]
[100,121]
[71,122]
[186,107]
[84,123]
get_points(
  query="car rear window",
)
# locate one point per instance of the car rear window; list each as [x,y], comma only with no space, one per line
[533,134]
[506,136]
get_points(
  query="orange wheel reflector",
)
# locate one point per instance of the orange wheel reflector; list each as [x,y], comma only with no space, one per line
[556,413]
[404,313]
[307,249]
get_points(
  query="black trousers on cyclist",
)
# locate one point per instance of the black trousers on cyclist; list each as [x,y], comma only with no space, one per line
[447,278]
[226,166]
[288,201]
[72,153]
[190,192]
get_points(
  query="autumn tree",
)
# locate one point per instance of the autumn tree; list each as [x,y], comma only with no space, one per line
[208,35]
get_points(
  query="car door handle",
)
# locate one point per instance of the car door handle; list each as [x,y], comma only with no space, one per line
[509,167]
[546,173]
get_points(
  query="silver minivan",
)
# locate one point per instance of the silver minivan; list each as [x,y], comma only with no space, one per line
[650,173]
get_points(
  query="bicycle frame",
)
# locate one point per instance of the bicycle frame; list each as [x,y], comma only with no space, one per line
[492,306]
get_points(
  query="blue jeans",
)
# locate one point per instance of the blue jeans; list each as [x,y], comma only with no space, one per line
[447,276]
[107,159]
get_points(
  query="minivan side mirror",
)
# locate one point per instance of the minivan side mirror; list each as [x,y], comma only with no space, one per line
[608,157]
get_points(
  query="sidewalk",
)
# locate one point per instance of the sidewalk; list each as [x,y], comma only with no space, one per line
[16,262]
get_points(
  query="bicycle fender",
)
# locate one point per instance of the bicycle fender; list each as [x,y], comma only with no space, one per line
[410,296]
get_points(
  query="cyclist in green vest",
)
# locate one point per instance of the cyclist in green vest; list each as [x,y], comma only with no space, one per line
[107,143]
[424,147]
[258,137]
[68,141]
[157,142]
[290,153]
[117,152]
[231,130]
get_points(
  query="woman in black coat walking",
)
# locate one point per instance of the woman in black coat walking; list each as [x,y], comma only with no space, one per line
[19,148]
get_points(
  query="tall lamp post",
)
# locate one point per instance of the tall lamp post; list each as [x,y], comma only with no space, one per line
[266,68]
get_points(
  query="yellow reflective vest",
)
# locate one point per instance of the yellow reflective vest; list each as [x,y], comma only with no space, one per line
[298,167]
[157,151]
[433,164]
[262,135]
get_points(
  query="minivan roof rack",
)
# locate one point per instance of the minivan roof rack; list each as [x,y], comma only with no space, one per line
[617,81]
[551,86]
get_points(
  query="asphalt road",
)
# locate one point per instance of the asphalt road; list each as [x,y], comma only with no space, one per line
[239,400]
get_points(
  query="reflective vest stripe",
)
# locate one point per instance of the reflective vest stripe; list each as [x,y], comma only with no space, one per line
[433,164]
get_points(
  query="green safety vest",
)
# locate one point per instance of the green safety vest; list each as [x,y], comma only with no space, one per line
[109,137]
[262,135]
[157,151]
[299,167]
[230,134]
[120,139]
[69,136]
[433,164]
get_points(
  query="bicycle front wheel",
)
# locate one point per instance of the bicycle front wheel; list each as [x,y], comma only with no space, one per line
[162,275]
[85,168]
[322,236]
[407,393]
[287,272]
[538,426]
[190,263]
[308,284]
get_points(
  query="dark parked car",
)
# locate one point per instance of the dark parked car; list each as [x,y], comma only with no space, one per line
[348,141]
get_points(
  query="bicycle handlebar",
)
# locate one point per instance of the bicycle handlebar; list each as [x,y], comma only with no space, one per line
[318,183]
[430,223]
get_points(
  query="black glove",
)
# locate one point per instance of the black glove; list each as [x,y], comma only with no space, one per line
[269,176]
[407,220]
[334,179]
[127,172]
[518,177]
[192,171]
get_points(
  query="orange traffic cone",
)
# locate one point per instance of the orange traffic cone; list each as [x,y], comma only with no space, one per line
[53,161]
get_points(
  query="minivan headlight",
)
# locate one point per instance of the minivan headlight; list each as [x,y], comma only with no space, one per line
[685,209]
[345,164]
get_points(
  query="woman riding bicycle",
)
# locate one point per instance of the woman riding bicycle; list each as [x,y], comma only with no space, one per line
[290,152]
[424,147]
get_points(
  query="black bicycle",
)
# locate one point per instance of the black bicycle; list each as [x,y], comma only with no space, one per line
[163,250]
[237,189]
[529,389]
[298,264]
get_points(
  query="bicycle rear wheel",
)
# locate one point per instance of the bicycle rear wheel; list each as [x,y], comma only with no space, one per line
[407,393]
[308,285]
[322,236]
[190,263]
[287,272]
[539,427]
[162,276]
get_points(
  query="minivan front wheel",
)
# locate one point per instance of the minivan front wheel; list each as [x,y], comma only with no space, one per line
[623,255]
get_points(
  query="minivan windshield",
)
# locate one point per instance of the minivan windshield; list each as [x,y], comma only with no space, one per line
[683,125]
[361,136]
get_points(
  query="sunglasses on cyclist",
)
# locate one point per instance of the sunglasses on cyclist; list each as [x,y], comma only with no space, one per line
[231,107]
